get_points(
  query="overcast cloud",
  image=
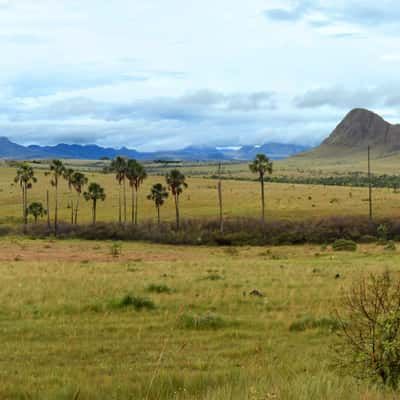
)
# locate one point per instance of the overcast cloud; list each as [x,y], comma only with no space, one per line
[160,74]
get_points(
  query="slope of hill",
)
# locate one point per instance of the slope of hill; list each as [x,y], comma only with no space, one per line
[10,150]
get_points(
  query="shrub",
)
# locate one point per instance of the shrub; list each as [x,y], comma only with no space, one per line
[138,303]
[344,245]
[155,288]
[214,277]
[370,329]
[382,232]
[200,322]
[368,239]
[116,249]
[310,322]
[390,246]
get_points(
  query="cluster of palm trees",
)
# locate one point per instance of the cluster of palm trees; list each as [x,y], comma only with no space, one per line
[133,172]
[127,171]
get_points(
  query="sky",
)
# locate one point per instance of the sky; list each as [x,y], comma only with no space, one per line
[166,74]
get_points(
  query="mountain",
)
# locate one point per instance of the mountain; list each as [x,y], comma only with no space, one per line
[10,150]
[361,128]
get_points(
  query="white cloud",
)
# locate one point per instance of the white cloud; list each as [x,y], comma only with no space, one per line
[159,73]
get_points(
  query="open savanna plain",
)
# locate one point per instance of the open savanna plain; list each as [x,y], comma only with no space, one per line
[200,199]
[133,320]
[194,330]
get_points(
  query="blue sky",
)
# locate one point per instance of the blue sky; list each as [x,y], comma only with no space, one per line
[160,74]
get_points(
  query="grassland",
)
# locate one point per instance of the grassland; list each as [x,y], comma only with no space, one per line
[61,337]
[200,200]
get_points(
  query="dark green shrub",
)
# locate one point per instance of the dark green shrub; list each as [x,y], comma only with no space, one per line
[344,245]
[201,322]
[158,288]
[368,239]
[138,303]
[310,322]
[390,246]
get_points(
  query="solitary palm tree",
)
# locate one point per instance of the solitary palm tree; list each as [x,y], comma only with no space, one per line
[57,170]
[94,194]
[25,177]
[158,193]
[136,174]
[36,209]
[176,183]
[261,165]
[68,176]
[79,180]
[119,166]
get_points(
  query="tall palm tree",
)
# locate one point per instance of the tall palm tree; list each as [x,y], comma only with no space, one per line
[158,193]
[68,176]
[94,194]
[176,182]
[136,174]
[57,170]
[79,180]
[25,177]
[261,165]
[119,166]
[36,209]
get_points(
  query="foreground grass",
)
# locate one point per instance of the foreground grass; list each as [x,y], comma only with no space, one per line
[206,338]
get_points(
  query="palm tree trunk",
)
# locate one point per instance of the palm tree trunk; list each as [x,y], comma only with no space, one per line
[94,212]
[56,210]
[76,209]
[221,216]
[48,210]
[262,204]
[158,215]
[124,200]
[72,212]
[177,211]
[36,218]
[133,206]
[136,206]
[120,205]
[24,207]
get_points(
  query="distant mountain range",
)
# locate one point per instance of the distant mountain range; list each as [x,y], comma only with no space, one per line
[13,151]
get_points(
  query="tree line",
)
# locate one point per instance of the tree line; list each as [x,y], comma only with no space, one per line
[128,172]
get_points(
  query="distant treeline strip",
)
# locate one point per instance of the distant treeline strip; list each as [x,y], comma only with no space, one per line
[354,179]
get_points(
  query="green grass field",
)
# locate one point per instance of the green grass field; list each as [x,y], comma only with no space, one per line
[61,338]
[69,331]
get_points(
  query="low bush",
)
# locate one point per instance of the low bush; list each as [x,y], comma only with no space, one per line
[200,322]
[238,231]
[344,245]
[138,303]
[156,288]
[310,322]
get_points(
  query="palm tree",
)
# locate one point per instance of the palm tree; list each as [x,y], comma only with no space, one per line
[57,170]
[176,183]
[158,193]
[95,193]
[36,209]
[68,176]
[79,180]
[136,174]
[25,177]
[261,165]
[119,166]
